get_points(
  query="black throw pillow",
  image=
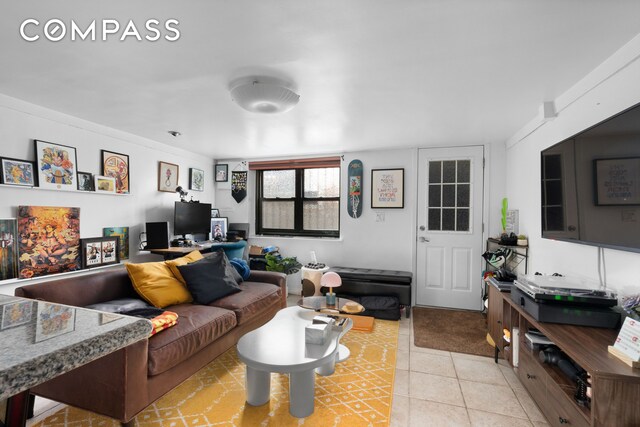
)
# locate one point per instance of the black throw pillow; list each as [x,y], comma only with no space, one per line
[207,280]
[229,268]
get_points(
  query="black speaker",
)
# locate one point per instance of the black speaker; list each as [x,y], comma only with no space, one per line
[157,235]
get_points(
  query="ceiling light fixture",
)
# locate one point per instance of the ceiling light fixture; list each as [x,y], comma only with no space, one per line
[263,95]
[174,133]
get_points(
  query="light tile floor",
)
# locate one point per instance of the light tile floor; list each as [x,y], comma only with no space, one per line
[438,388]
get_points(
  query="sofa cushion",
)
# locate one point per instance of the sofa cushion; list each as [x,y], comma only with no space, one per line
[197,327]
[183,260]
[229,268]
[253,300]
[155,282]
[207,280]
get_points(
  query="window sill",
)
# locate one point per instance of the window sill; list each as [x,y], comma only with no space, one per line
[315,239]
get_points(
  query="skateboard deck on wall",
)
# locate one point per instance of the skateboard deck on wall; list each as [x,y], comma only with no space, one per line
[354,181]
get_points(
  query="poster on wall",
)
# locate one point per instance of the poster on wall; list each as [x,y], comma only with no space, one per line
[49,240]
[618,181]
[239,185]
[387,188]
[56,166]
[168,177]
[116,165]
[122,233]
[8,249]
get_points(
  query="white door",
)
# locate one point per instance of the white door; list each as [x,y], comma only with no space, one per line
[449,248]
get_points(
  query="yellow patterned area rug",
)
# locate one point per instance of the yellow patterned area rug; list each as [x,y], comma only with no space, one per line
[359,393]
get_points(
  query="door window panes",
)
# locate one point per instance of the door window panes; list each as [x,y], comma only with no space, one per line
[449,196]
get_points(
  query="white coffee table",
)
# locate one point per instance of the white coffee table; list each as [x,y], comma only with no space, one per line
[279,346]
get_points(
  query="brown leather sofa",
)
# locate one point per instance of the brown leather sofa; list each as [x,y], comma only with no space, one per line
[122,384]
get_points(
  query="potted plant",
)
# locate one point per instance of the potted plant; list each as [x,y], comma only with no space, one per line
[522,240]
[287,265]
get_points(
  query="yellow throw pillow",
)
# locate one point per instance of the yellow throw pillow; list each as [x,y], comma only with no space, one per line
[155,282]
[187,259]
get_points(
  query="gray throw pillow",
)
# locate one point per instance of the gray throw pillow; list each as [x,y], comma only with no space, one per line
[119,305]
[229,268]
[207,280]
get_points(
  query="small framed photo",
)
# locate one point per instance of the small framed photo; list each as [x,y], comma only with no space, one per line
[219,228]
[99,251]
[56,165]
[117,166]
[196,179]
[85,181]
[18,172]
[222,173]
[168,177]
[105,184]
[215,213]
[387,188]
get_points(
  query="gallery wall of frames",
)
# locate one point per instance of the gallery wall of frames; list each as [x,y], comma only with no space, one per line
[54,176]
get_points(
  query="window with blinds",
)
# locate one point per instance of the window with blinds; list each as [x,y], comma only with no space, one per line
[298,197]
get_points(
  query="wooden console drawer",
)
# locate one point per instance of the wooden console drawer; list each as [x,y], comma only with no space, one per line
[533,377]
[561,410]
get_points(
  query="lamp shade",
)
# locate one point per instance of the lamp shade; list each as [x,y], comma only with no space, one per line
[331,280]
[264,97]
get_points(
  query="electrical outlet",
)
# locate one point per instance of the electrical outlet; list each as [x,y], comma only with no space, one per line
[379,216]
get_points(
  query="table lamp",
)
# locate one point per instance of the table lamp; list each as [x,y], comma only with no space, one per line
[331,280]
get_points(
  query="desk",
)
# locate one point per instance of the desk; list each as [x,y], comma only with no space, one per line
[41,340]
[177,252]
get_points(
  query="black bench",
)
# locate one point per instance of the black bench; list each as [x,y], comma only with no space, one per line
[372,283]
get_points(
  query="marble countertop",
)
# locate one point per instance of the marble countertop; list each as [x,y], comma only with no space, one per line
[41,340]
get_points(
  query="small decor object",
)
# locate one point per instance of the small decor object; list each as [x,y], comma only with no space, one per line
[16,314]
[215,213]
[316,333]
[627,344]
[54,320]
[56,166]
[617,181]
[122,233]
[116,165]
[105,184]
[354,207]
[331,280]
[98,251]
[18,172]
[387,188]
[167,177]
[196,179]
[522,240]
[49,240]
[503,212]
[238,185]
[85,181]
[222,173]
[219,228]
[8,249]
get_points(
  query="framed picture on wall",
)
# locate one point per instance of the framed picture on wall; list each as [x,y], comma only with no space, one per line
[215,213]
[98,251]
[85,181]
[18,172]
[387,188]
[167,177]
[196,179]
[116,165]
[105,184]
[222,173]
[56,166]
[219,228]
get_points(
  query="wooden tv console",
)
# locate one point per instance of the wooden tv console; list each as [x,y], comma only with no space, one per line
[615,398]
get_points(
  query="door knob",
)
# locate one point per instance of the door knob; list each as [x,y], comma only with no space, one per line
[423,239]
[422,228]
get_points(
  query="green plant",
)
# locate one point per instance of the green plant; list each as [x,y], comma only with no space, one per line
[288,265]
[522,237]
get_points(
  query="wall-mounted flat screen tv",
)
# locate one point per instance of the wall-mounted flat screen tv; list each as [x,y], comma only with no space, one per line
[591,185]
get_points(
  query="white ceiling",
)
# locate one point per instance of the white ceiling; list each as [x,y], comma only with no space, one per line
[371,74]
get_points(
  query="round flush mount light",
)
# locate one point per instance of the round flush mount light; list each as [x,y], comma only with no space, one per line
[263,95]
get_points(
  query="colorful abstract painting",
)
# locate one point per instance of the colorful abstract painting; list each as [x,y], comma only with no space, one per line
[122,233]
[8,249]
[49,240]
